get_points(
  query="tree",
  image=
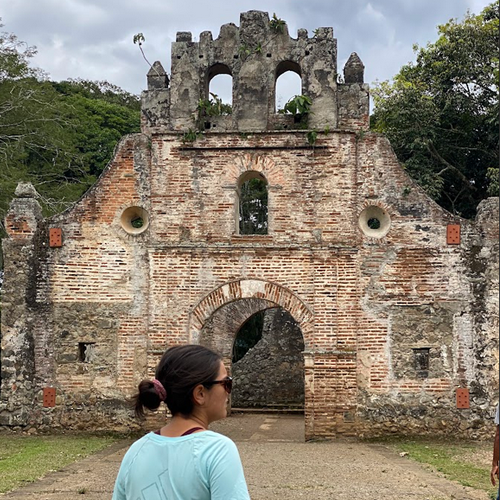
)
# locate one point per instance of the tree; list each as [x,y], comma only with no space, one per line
[28,117]
[103,113]
[57,135]
[253,209]
[441,113]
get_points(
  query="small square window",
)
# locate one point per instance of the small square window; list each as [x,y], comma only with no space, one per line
[86,352]
[421,359]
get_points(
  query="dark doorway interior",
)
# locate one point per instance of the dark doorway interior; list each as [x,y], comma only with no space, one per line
[268,365]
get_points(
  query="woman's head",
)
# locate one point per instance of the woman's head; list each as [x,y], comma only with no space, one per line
[181,369]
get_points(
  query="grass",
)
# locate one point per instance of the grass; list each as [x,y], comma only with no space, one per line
[24,459]
[468,463]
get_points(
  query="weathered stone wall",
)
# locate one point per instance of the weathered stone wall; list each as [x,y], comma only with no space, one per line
[271,374]
[255,56]
[363,298]
[18,374]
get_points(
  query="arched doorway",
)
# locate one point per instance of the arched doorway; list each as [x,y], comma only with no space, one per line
[268,362]
[217,318]
[269,371]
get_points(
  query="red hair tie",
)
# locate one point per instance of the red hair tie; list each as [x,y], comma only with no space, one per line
[160,390]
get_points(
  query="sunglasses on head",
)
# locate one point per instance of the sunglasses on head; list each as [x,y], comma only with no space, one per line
[227,383]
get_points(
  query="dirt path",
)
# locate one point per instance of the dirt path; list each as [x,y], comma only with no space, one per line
[278,465]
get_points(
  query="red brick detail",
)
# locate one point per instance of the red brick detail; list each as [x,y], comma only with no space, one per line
[243,289]
[55,237]
[18,227]
[453,234]
[49,397]
[463,402]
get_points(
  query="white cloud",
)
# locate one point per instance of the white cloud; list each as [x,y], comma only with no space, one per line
[372,14]
[93,38]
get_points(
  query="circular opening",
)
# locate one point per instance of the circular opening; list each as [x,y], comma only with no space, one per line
[134,220]
[374,222]
[137,222]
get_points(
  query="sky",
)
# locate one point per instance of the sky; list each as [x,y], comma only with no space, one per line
[93,39]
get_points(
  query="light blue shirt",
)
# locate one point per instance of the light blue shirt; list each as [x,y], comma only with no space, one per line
[200,466]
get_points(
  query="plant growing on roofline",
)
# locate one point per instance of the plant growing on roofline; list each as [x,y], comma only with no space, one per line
[276,24]
[190,136]
[213,106]
[298,105]
[139,39]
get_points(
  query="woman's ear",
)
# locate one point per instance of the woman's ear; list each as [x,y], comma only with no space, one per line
[199,394]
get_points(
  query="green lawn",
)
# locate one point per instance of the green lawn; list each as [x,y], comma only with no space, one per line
[468,463]
[24,459]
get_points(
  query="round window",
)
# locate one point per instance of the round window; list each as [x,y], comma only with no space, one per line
[374,221]
[134,220]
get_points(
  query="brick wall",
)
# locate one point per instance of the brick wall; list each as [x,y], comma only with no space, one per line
[362,302]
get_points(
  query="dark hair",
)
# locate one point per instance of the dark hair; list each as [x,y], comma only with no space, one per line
[180,370]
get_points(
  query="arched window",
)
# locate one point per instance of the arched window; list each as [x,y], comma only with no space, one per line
[288,83]
[220,86]
[252,203]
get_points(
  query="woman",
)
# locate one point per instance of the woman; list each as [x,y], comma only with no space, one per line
[184,460]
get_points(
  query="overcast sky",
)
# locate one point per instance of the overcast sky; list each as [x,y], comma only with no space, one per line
[92,39]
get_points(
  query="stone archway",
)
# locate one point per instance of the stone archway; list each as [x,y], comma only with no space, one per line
[216,319]
[219,330]
[269,294]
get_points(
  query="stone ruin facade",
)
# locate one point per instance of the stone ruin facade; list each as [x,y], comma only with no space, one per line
[396,299]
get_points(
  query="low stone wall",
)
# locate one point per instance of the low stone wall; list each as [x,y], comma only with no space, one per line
[433,416]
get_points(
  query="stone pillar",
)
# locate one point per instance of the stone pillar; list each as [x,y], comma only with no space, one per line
[309,395]
[354,96]
[252,85]
[482,259]
[17,349]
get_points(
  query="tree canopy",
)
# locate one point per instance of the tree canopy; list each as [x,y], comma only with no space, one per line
[441,113]
[57,135]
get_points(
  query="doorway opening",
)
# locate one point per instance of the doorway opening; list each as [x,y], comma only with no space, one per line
[268,365]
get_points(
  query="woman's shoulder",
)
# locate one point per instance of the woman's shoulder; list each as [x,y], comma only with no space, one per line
[141,442]
[214,437]
[215,443]
[135,448]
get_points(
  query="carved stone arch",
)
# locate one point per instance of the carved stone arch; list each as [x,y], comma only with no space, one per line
[218,69]
[285,66]
[258,295]
[220,330]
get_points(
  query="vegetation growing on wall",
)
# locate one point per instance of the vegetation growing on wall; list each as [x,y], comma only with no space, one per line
[277,25]
[211,107]
[300,107]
